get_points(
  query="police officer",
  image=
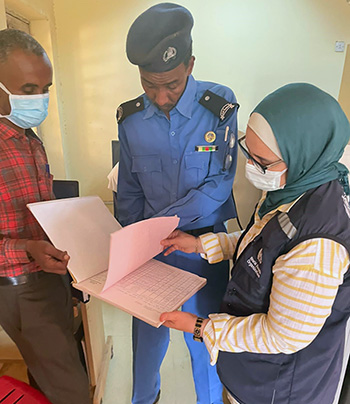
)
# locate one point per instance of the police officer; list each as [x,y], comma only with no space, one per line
[177,157]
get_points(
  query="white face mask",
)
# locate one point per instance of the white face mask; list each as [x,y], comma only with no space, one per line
[270,181]
[27,111]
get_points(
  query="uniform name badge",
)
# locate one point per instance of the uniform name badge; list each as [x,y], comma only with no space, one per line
[211,148]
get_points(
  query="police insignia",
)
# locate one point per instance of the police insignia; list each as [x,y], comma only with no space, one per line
[128,108]
[227,107]
[119,113]
[259,256]
[210,137]
[170,53]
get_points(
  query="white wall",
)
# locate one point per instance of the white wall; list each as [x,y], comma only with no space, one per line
[253,46]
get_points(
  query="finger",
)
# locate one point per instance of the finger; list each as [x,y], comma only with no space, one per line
[169,241]
[166,242]
[54,264]
[174,234]
[55,253]
[168,324]
[59,270]
[165,316]
[169,251]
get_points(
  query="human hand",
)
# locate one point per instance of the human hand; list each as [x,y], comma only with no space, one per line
[181,320]
[49,258]
[178,240]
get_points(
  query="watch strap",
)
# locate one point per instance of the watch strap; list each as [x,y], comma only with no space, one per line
[197,330]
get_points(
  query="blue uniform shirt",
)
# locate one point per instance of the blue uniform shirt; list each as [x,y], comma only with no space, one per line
[161,173]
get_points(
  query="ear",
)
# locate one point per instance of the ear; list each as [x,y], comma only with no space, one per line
[5,107]
[190,65]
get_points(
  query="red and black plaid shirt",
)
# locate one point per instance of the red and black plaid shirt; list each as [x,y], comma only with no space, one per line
[24,178]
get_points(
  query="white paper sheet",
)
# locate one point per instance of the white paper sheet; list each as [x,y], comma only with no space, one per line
[82,227]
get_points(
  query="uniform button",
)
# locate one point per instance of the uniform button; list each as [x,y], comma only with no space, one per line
[172,133]
[229,305]
[207,98]
[175,161]
[144,169]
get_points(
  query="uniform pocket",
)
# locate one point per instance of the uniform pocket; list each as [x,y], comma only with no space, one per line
[197,168]
[149,172]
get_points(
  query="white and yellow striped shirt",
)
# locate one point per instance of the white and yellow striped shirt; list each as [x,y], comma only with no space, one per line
[305,284]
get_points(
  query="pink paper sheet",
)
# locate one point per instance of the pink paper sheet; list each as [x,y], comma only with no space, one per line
[136,244]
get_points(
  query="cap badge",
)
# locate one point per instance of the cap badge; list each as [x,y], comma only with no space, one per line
[210,137]
[170,53]
[119,113]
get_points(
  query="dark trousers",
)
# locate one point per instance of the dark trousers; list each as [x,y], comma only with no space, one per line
[38,316]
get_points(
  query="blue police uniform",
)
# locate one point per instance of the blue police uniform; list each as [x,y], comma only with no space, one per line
[167,168]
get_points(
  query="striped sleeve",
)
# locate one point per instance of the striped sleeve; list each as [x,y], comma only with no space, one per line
[219,246]
[305,284]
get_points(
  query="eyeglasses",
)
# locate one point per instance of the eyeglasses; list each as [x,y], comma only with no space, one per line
[256,163]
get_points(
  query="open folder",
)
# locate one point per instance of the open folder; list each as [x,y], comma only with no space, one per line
[113,263]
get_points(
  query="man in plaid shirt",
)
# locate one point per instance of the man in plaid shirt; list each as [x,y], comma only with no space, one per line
[35,302]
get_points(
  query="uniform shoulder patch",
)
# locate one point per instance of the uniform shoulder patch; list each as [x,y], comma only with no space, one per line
[218,105]
[128,108]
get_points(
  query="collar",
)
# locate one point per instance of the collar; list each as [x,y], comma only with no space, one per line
[183,106]
[281,209]
[7,132]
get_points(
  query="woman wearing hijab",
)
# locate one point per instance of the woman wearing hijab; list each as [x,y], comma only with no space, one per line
[280,336]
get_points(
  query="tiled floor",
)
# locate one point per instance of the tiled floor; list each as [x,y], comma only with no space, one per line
[177,384]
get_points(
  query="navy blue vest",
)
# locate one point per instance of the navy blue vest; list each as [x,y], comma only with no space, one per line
[309,376]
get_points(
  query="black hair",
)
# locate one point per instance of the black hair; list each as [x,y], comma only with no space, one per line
[12,39]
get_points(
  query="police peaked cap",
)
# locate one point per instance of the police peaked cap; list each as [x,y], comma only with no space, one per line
[160,38]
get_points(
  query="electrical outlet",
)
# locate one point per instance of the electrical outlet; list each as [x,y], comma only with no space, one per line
[339,46]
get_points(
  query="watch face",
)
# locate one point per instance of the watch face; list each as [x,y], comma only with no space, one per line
[197,332]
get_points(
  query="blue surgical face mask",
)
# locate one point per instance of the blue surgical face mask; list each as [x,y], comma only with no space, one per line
[27,111]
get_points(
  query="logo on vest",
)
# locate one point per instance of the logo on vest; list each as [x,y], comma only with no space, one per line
[259,256]
[254,266]
[346,205]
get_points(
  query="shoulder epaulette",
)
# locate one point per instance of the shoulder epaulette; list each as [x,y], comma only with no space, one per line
[218,105]
[128,108]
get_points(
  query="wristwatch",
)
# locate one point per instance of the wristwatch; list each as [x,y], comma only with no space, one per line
[197,330]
